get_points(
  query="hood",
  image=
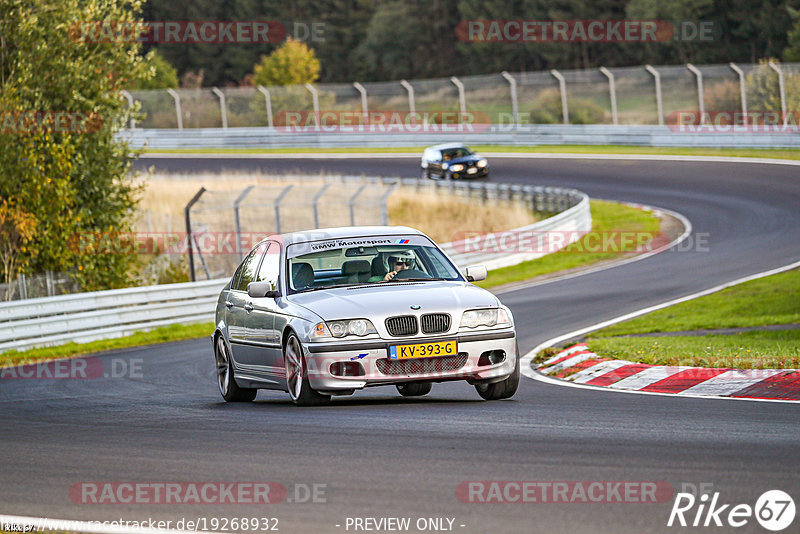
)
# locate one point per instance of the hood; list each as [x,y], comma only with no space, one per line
[379,301]
[465,159]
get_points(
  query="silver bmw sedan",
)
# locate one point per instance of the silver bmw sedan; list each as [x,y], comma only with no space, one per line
[328,312]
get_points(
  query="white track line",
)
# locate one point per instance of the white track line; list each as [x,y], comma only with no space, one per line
[510,155]
[525,363]
[92,527]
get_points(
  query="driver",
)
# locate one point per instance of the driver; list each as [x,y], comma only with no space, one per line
[399,261]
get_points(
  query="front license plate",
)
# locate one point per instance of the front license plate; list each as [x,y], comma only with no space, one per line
[423,350]
[472,170]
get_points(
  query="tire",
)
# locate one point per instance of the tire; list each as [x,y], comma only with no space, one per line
[504,389]
[416,389]
[426,174]
[297,376]
[225,378]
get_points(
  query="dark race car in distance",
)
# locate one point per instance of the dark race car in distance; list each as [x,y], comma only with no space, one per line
[453,161]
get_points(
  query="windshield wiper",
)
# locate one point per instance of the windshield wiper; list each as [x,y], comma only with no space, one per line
[417,279]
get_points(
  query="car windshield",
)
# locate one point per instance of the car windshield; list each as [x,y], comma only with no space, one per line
[375,260]
[454,153]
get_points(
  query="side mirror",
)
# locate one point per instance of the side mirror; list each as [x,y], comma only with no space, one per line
[476,273]
[259,290]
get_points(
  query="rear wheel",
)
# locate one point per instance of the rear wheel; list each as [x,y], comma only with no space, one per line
[225,380]
[297,376]
[417,389]
[501,390]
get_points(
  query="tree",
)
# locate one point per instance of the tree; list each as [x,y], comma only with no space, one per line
[792,52]
[60,108]
[16,230]
[160,74]
[292,64]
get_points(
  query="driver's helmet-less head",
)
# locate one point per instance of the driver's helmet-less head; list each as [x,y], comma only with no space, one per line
[404,256]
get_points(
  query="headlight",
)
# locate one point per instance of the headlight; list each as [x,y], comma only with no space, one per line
[339,329]
[457,167]
[445,165]
[486,317]
[481,163]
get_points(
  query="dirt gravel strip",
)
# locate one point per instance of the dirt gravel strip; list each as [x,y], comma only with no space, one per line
[578,365]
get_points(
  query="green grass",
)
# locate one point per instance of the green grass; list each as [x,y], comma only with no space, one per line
[772,300]
[161,334]
[774,153]
[746,350]
[607,218]
[767,301]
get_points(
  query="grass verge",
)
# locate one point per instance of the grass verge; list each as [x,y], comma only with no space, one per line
[161,334]
[775,153]
[610,221]
[773,300]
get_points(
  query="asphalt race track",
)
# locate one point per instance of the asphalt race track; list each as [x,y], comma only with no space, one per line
[380,455]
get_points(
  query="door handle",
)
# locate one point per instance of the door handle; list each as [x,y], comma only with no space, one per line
[228,304]
[248,307]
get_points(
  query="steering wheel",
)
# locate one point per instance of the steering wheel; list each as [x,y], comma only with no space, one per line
[411,273]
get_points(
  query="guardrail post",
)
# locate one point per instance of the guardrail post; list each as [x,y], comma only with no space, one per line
[512,87]
[659,101]
[317,196]
[700,97]
[364,109]
[188,220]
[352,203]
[277,205]
[315,103]
[562,85]
[462,100]
[782,89]
[177,98]
[236,221]
[223,109]
[410,88]
[268,102]
[612,90]
[129,98]
[742,92]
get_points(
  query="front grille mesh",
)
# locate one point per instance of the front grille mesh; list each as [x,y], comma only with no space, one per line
[435,323]
[403,325]
[422,365]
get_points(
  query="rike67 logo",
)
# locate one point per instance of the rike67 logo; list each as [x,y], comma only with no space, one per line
[774,510]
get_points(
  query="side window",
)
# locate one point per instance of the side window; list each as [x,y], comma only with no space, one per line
[248,270]
[270,267]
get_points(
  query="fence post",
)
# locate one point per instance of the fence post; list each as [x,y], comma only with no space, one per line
[177,98]
[562,85]
[277,205]
[129,98]
[268,101]
[317,196]
[236,221]
[700,97]
[222,107]
[742,92]
[512,87]
[462,101]
[352,203]
[23,286]
[188,220]
[410,88]
[612,90]
[782,89]
[659,101]
[364,108]
[384,206]
[315,103]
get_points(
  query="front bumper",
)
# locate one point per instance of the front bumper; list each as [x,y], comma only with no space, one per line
[378,369]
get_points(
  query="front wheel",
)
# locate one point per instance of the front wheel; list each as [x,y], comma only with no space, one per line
[417,389]
[297,376]
[225,380]
[501,390]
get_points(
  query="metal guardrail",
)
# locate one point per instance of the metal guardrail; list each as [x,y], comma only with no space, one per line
[496,134]
[84,317]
